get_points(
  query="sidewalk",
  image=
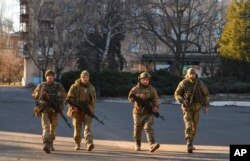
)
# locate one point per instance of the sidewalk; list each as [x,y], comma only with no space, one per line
[28,147]
[215,100]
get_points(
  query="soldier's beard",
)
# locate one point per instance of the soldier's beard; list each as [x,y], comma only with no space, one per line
[50,81]
[144,85]
[192,79]
[85,84]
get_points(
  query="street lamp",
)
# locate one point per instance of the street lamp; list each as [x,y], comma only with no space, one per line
[40,60]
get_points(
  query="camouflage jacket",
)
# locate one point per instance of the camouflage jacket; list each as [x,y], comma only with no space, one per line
[150,93]
[55,91]
[80,93]
[186,88]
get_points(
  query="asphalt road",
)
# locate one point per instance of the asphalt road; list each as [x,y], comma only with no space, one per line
[222,126]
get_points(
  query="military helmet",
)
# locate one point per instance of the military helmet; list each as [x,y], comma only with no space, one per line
[84,73]
[48,72]
[144,75]
[191,71]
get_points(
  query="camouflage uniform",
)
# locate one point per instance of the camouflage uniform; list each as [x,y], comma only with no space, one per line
[48,115]
[191,114]
[82,94]
[141,118]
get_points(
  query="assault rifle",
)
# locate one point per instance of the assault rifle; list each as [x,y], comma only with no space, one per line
[84,108]
[55,105]
[187,105]
[145,104]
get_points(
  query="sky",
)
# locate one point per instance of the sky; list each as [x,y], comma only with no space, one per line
[12,11]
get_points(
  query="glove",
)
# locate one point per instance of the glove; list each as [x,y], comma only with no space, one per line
[186,103]
[37,111]
[155,109]
[74,109]
[142,96]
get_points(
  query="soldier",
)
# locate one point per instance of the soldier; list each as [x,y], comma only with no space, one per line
[142,119]
[82,92]
[192,94]
[49,117]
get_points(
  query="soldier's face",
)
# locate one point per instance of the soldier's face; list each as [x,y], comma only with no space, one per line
[145,81]
[50,78]
[192,76]
[85,79]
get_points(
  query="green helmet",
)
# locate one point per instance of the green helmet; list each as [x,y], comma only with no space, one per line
[84,73]
[49,72]
[144,75]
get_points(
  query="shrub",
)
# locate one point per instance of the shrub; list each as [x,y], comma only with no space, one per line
[118,84]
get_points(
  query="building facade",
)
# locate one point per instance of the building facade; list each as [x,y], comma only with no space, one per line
[171,34]
[45,45]
[41,40]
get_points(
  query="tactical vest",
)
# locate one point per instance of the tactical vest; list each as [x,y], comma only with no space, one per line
[189,88]
[52,90]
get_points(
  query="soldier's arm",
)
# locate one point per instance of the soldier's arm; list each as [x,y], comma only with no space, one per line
[62,91]
[178,94]
[205,94]
[94,97]
[71,96]
[155,98]
[71,93]
[132,91]
[36,92]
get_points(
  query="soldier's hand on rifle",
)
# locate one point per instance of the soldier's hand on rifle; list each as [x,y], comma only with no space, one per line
[43,96]
[142,96]
[205,109]
[185,103]
[155,109]
[74,109]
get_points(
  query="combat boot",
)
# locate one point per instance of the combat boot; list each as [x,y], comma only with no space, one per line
[154,147]
[90,147]
[78,146]
[137,145]
[47,147]
[52,147]
[190,147]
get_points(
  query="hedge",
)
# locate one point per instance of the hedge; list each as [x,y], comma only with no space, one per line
[118,84]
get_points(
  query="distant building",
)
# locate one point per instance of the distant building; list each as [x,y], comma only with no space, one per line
[37,47]
[141,55]
[9,43]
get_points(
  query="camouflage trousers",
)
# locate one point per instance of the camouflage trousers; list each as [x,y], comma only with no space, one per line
[49,124]
[191,118]
[80,124]
[145,121]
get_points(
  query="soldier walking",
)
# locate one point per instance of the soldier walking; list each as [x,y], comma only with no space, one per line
[143,119]
[192,94]
[82,92]
[45,93]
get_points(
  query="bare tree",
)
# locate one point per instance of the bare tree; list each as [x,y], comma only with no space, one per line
[10,64]
[48,37]
[103,19]
[177,24]
[97,24]
[12,68]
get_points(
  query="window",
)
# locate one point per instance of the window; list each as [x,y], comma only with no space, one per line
[174,36]
[23,9]
[134,48]
[46,25]
[23,27]
[135,65]
[135,11]
[156,11]
[158,30]
[10,45]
